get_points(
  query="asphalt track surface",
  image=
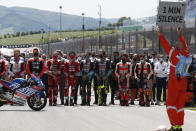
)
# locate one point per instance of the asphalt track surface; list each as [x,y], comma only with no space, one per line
[93,118]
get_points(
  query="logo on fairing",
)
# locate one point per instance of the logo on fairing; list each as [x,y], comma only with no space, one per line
[15,86]
[28,91]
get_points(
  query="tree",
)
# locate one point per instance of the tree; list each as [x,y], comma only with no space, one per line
[8,35]
[31,32]
[109,25]
[17,34]
[120,21]
[22,34]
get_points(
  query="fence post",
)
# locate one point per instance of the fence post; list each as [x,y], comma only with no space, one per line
[129,37]
[91,44]
[144,38]
[116,42]
[111,42]
[97,41]
[106,44]
[152,38]
[136,41]
[123,45]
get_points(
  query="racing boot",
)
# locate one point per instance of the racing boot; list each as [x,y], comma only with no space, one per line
[132,102]
[122,103]
[66,103]
[112,102]
[179,128]
[147,103]
[142,103]
[62,103]
[100,104]
[83,103]
[152,102]
[104,104]
[71,102]
[95,102]
[88,103]
[158,103]
[172,129]
[54,102]
[126,103]
[50,102]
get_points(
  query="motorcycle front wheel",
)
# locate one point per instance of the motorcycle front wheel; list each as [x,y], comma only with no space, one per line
[37,104]
[2,103]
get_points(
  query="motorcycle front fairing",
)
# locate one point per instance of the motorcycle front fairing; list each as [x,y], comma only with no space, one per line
[21,89]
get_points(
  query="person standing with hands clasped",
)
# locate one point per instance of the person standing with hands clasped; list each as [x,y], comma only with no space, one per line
[177,84]
[161,76]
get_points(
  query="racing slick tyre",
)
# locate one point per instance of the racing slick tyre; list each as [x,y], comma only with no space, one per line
[2,103]
[37,104]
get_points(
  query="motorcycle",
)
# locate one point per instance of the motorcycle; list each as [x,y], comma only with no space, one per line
[20,91]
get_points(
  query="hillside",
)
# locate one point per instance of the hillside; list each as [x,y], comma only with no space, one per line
[20,19]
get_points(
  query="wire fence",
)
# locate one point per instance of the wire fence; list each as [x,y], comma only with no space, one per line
[129,42]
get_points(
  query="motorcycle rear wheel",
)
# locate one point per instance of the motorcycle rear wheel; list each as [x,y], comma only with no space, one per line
[37,106]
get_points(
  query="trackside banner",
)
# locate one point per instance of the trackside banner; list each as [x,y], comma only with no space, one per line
[171,14]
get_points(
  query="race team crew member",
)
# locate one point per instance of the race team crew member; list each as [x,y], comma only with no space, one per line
[123,72]
[133,81]
[62,79]
[78,84]
[102,71]
[113,80]
[161,70]
[2,66]
[87,74]
[17,66]
[142,73]
[72,71]
[35,65]
[94,60]
[177,84]
[54,70]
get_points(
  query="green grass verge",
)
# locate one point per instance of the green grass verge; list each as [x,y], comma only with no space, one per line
[37,38]
[191,108]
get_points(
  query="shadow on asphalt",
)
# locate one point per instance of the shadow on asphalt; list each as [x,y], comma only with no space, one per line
[21,111]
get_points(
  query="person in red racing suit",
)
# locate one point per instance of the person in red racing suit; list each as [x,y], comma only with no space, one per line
[17,66]
[72,70]
[54,70]
[123,72]
[35,65]
[142,74]
[176,85]
[2,66]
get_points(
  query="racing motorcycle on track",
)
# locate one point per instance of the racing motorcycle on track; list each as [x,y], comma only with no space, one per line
[20,91]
